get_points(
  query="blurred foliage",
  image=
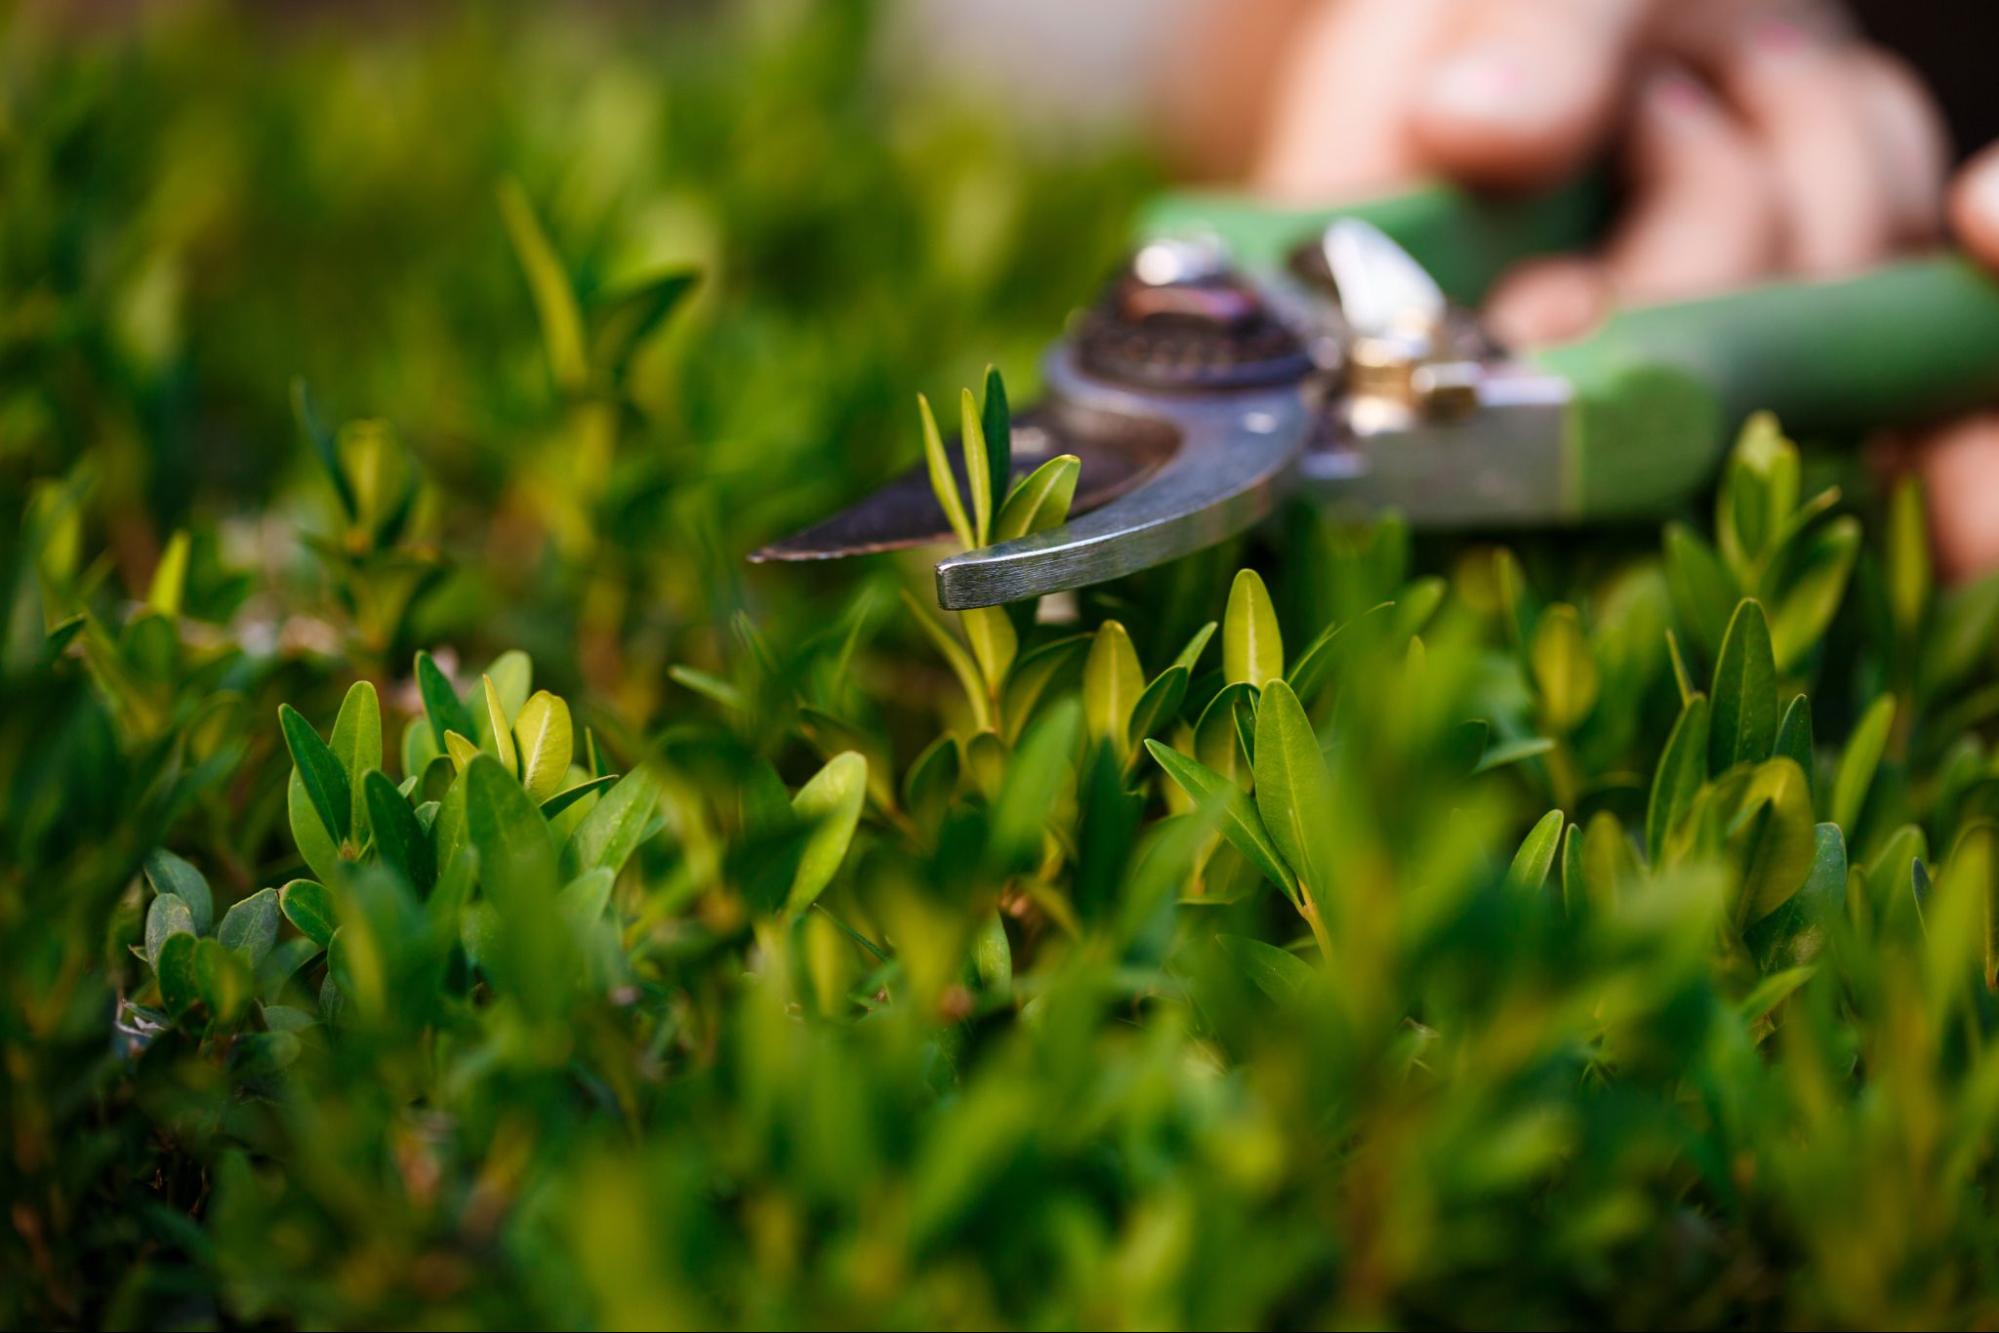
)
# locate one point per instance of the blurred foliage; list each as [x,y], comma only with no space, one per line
[1598,931]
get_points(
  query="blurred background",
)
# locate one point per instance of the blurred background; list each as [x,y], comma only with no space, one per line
[332,332]
[414,209]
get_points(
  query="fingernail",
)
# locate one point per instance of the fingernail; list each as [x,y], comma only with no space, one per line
[1479,84]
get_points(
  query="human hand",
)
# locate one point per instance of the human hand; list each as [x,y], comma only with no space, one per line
[1757,138]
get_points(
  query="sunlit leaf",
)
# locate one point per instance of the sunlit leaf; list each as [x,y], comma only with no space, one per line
[545,741]
[616,824]
[943,482]
[1565,670]
[1293,786]
[1112,684]
[499,727]
[978,468]
[1252,644]
[831,805]
[1040,500]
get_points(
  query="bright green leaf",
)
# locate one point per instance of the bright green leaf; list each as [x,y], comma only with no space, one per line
[831,804]
[546,741]
[943,482]
[1112,683]
[1040,500]
[1294,788]
[1252,645]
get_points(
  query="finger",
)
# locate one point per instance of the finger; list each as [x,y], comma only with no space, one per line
[1799,95]
[1340,106]
[1209,92]
[1703,215]
[1524,90]
[1959,465]
[1547,301]
[1974,206]
[1910,142]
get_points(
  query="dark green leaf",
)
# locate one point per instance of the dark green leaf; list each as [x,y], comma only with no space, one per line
[251,926]
[168,873]
[569,796]
[222,980]
[1682,770]
[1794,737]
[1795,934]
[307,906]
[357,744]
[167,916]
[441,704]
[321,774]
[996,423]
[1700,586]
[399,839]
[1771,839]
[180,986]
[1743,720]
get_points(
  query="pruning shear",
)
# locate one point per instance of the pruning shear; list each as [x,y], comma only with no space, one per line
[1246,354]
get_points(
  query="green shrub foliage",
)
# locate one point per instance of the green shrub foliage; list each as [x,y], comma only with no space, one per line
[439,884]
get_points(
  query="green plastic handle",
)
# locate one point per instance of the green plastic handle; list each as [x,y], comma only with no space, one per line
[1659,390]
[1465,240]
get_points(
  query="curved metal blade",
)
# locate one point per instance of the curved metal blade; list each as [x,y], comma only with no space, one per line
[905,512]
[1235,459]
